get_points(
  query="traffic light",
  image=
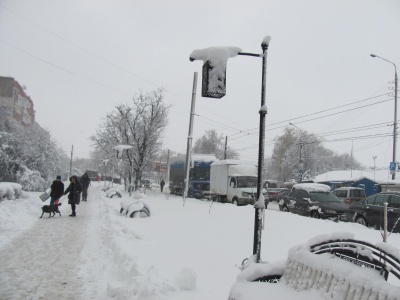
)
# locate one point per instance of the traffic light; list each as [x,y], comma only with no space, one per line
[213,82]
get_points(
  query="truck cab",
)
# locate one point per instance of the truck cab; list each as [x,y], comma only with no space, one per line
[242,190]
[234,181]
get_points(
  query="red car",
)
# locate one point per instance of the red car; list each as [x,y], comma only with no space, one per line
[273,194]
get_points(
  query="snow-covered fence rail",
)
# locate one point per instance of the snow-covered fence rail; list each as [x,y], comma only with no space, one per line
[351,270]
[342,268]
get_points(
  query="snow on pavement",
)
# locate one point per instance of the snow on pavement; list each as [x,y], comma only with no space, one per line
[179,252]
[44,261]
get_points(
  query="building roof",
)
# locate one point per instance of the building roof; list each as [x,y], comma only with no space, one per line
[379,176]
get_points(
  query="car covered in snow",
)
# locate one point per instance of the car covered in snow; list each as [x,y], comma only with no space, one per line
[369,212]
[315,200]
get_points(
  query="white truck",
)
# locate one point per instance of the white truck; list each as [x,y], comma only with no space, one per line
[234,181]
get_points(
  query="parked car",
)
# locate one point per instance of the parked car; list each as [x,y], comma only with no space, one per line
[369,212]
[350,194]
[273,194]
[315,200]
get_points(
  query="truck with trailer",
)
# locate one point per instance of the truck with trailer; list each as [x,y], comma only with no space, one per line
[199,175]
[234,181]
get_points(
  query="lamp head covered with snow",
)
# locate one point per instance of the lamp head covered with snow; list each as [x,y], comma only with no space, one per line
[214,69]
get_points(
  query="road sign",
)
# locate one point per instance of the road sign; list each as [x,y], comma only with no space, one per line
[392,166]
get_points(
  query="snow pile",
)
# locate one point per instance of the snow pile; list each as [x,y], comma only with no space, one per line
[253,271]
[18,215]
[186,279]
[135,208]
[111,193]
[312,187]
[10,190]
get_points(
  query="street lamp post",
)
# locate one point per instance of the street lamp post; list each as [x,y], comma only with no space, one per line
[374,157]
[120,149]
[220,92]
[301,147]
[395,111]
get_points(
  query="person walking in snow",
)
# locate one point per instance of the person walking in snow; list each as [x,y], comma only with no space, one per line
[56,190]
[162,183]
[85,182]
[74,189]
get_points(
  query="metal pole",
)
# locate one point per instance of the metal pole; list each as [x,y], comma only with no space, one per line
[395,120]
[226,146]
[190,136]
[259,207]
[385,206]
[395,111]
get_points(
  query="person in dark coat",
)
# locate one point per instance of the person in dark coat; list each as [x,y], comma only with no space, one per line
[85,182]
[74,189]
[56,190]
[162,183]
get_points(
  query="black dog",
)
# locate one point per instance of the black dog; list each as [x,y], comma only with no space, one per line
[51,209]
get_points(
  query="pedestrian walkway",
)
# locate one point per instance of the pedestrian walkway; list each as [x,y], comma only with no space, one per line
[45,261]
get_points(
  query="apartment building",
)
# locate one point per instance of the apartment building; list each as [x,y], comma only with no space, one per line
[15,103]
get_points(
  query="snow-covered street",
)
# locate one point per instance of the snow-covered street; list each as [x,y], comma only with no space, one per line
[180,252]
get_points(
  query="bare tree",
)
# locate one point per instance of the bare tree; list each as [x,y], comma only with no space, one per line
[140,125]
[314,156]
[212,143]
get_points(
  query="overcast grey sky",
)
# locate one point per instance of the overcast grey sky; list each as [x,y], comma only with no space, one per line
[79,59]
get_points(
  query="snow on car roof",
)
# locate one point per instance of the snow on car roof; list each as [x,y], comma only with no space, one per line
[313,187]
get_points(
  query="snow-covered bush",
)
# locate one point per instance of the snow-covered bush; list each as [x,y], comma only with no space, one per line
[10,190]
[32,180]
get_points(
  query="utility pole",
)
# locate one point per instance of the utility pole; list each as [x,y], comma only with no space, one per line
[190,137]
[226,146]
[395,112]
[70,162]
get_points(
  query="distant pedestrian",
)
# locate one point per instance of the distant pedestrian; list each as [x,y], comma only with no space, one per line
[74,196]
[85,182]
[56,190]
[162,183]
[98,178]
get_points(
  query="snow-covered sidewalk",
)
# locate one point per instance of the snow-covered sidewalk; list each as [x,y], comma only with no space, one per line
[45,261]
